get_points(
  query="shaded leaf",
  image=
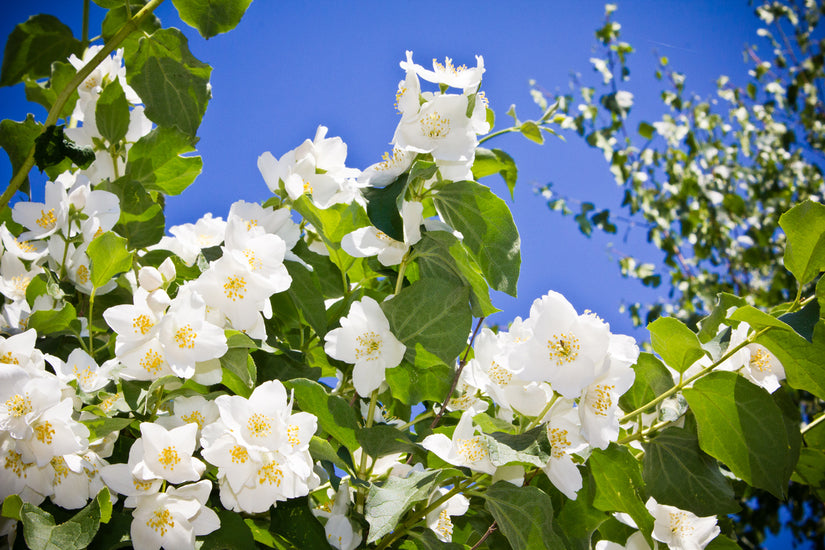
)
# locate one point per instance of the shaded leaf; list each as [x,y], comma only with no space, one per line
[804,225]
[17,139]
[387,502]
[335,416]
[211,17]
[524,514]
[33,46]
[156,161]
[652,379]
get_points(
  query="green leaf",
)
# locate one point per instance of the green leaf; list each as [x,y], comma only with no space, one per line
[808,470]
[141,217]
[52,147]
[800,359]
[332,224]
[677,345]
[112,112]
[652,379]
[305,292]
[156,161]
[709,326]
[524,514]
[646,130]
[17,139]
[238,363]
[804,320]
[620,486]
[233,534]
[678,473]
[382,207]
[33,46]
[804,226]
[411,385]
[578,519]
[433,313]
[531,447]
[211,17]
[118,15]
[426,540]
[531,131]
[320,449]
[383,439]
[52,321]
[335,416]
[100,427]
[293,520]
[387,502]
[41,533]
[439,254]
[488,229]
[495,161]
[109,257]
[11,507]
[284,366]
[741,425]
[170,81]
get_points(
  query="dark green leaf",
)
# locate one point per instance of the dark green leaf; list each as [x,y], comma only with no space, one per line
[108,257]
[112,112]
[646,130]
[804,225]
[411,385]
[52,147]
[679,474]
[156,161]
[433,313]
[741,425]
[619,485]
[141,217]
[495,161]
[33,46]
[171,82]
[335,416]
[578,519]
[382,207]
[384,439]
[652,379]
[488,229]
[17,139]
[804,320]
[524,514]
[233,534]
[293,520]
[677,345]
[305,292]
[710,324]
[211,17]
[387,502]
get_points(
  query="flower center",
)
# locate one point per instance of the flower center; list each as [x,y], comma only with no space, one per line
[82,274]
[234,287]
[19,405]
[680,524]
[271,474]
[194,417]
[185,337]
[368,345]
[142,324]
[61,471]
[444,527]
[14,462]
[499,375]
[9,358]
[239,454]
[760,360]
[168,457]
[20,283]
[141,485]
[473,449]
[292,435]
[558,440]
[47,219]
[448,67]
[254,263]
[43,432]
[25,246]
[600,399]
[152,361]
[435,126]
[389,162]
[85,376]
[250,224]
[260,425]
[161,521]
[563,348]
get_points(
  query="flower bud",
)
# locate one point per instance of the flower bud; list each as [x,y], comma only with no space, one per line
[167,270]
[150,278]
[158,300]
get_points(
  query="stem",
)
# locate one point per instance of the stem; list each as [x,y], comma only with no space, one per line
[418,419]
[537,420]
[399,282]
[486,534]
[814,423]
[89,322]
[361,496]
[461,364]
[84,35]
[700,374]
[54,113]
[499,133]
[641,433]
[407,525]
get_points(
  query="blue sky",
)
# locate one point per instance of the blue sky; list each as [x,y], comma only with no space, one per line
[289,67]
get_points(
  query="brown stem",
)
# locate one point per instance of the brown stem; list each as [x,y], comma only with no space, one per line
[486,534]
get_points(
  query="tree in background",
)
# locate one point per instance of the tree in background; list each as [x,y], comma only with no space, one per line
[708,181]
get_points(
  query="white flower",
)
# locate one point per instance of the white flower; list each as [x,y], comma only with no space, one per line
[43,218]
[439,519]
[388,170]
[173,519]
[25,250]
[15,277]
[441,128]
[563,429]
[167,454]
[450,75]
[120,479]
[365,340]
[680,529]
[763,368]
[188,239]
[54,433]
[464,449]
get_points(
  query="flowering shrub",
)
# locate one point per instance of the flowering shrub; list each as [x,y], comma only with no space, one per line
[308,373]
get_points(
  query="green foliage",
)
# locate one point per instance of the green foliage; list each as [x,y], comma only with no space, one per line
[212,17]
[17,139]
[112,113]
[109,257]
[33,46]
[524,514]
[675,343]
[388,501]
[156,161]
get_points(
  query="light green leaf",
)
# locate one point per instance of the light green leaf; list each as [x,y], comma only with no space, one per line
[433,313]
[652,379]
[675,343]
[52,321]
[212,17]
[804,225]
[172,84]
[41,533]
[141,218]
[410,384]
[33,46]
[709,326]
[387,502]
[741,425]
[524,514]
[335,416]
[109,257]
[531,131]
[495,161]
[155,161]
[332,224]
[112,112]
[11,507]
[100,427]
[321,449]
[45,93]
[530,447]
[237,361]
[439,254]
[488,229]
[679,474]
[619,486]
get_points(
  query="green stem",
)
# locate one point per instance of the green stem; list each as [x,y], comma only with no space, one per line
[499,133]
[84,35]
[407,525]
[54,113]
[537,420]
[417,419]
[641,433]
[399,282]
[814,423]
[361,496]
[89,322]
[700,374]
